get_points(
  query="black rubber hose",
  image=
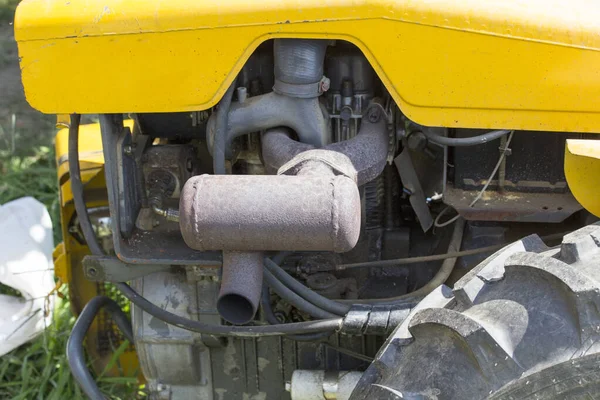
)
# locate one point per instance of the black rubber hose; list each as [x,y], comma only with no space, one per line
[220,139]
[467,141]
[294,298]
[77,188]
[75,352]
[272,319]
[224,330]
[309,295]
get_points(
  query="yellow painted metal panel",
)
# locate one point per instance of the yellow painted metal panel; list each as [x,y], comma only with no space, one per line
[91,158]
[90,149]
[582,169]
[468,63]
[62,269]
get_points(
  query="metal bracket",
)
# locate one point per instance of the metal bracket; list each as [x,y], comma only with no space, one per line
[411,182]
[111,269]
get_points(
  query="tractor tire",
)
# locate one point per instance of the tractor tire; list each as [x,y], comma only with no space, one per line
[524,324]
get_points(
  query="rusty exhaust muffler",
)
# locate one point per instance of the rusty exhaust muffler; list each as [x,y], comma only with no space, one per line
[262,212]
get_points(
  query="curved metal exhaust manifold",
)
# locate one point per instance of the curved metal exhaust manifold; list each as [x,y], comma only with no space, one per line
[366,153]
[294,102]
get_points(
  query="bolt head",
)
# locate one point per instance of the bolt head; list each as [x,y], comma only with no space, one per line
[346,114]
[374,114]
[417,141]
[324,84]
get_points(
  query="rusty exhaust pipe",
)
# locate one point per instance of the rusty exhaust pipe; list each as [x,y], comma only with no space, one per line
[241,285]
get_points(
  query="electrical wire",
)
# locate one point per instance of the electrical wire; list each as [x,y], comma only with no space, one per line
[409,300]
[225,330]
[463,142]
[77,187]
[502,156]
[294,298]
[220,139]
[309,295]
[438,257]
[439,224]
[75,351]
[447,265]
[265,301]
[420,259]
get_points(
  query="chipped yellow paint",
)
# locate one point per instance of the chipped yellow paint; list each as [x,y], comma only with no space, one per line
[91,158]
[469,63]
[582,169]
[90,149]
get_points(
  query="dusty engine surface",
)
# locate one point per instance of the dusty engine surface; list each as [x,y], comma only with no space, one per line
[308,167]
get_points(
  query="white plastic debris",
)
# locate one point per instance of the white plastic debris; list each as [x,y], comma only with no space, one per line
[26,265]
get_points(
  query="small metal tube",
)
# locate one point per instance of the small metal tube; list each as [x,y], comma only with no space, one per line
[170,214]
[241,286]
[242,94]
[156,204]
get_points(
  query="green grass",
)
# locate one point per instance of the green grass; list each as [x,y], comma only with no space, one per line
[7,10]
[39,370]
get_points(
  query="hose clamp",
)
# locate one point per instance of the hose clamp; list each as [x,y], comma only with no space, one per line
[339,163]
[302,91]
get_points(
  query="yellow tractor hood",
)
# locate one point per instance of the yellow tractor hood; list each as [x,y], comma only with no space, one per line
[484,64]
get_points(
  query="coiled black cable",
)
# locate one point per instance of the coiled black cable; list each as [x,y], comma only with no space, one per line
[75,352]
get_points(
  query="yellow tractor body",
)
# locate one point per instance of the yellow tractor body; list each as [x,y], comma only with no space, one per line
[472,64]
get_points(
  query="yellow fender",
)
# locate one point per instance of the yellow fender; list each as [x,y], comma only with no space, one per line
[582,169]
[509,64]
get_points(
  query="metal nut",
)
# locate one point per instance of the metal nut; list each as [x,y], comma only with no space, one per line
[324,84]
[417,141]
[374,114]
